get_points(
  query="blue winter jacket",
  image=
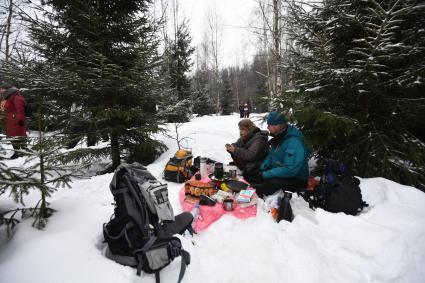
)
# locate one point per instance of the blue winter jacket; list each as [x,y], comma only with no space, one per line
[287,159]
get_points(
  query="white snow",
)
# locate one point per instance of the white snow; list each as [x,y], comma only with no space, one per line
[316,88]
[386,243]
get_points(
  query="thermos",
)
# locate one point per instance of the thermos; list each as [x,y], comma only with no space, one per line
[218,170]
[203,167]
[285,209]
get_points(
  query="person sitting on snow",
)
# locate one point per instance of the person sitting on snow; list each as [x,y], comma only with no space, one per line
[286,165]
[249,150]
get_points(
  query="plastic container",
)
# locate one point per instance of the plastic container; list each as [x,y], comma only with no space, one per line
[228,204]
[195,213]
[203,167]
[232,171]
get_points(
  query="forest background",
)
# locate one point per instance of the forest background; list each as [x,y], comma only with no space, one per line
[349,74]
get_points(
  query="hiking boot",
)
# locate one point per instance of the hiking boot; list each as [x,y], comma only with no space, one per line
[285,209]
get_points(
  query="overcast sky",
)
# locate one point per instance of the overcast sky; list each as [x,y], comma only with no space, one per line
[237,42]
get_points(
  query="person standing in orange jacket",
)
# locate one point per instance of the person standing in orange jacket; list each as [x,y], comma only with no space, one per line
[12,107]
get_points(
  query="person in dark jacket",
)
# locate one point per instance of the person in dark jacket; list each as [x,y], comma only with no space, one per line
[249,150]
[241,110]
[286,165]
[12,107]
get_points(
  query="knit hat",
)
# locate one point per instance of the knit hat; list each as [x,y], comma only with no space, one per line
[4,85]
[275,118]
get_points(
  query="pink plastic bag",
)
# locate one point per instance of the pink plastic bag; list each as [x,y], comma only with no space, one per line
[209,214]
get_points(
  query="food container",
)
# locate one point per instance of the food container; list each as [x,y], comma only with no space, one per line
[228,204]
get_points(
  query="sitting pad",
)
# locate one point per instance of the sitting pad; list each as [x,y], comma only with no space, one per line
[210,214]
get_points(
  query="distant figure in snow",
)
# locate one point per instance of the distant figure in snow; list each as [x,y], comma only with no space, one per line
[249,151]
[12,108]
[247,109]
[241,110]
[286,165]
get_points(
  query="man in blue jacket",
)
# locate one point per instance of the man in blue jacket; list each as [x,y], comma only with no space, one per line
[286,165]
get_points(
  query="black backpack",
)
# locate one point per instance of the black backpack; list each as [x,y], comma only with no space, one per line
[140,232]
[27,107]
[338,190]
[28,110]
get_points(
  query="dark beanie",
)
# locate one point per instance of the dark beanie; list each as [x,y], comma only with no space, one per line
[5,85]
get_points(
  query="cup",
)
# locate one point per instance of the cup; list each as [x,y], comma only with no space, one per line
[232,171]
[218,170]
[228,204]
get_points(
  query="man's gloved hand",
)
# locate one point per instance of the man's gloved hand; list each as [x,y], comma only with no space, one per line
[21,123]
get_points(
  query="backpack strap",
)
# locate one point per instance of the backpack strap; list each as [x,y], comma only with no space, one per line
[184,263]
[145,228]
[119,191]
[308,196]
[185,171]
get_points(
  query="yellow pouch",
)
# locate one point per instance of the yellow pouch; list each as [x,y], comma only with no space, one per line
[224,187]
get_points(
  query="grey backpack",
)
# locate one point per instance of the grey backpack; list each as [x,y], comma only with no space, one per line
[140,232]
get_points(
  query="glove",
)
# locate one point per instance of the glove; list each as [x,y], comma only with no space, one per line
[21,123]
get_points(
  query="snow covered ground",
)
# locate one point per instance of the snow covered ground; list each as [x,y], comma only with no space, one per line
[386,243]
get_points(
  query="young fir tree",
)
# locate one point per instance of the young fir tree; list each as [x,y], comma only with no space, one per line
[360,66]
[201,93]
[104,61]
[177,65]
[15,182]
[261,96]
[46,166]
[181,63]
[227,102]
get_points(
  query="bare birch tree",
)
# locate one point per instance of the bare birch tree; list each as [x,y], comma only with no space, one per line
[271,36]
[11,28]
[215,27]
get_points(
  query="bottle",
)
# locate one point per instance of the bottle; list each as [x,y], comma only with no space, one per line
[285,209]
[203,167]
[195,212]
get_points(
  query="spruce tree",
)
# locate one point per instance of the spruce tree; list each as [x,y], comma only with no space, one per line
[103,68]
[360,68]
[177,65]
[261,96]
[181,63]
[227,102]
[201,97]
[47,165]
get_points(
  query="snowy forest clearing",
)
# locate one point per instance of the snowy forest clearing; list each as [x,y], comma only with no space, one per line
[383,244]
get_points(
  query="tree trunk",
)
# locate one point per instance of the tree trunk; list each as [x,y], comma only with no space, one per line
[8,24]
[277,52]
[115,150]
[43,205]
